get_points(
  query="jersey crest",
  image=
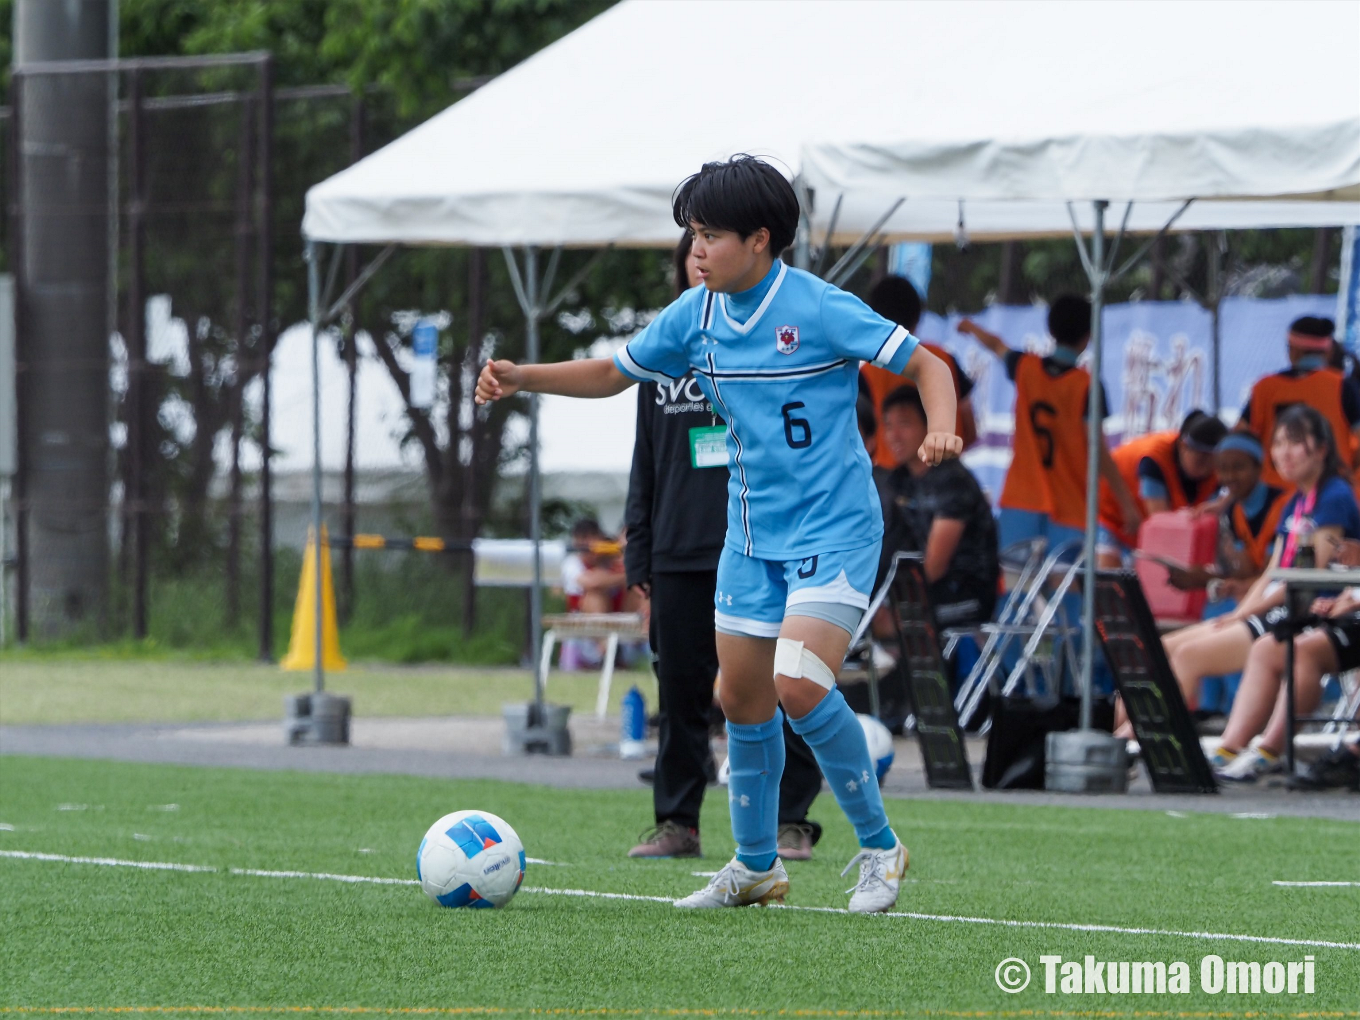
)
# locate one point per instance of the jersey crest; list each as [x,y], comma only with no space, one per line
[786,339]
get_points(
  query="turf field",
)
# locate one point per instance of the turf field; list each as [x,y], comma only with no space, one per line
[88,937]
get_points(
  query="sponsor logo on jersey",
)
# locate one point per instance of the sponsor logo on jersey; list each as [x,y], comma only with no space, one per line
[786,339]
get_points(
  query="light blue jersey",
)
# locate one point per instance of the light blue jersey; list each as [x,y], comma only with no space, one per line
[784,376]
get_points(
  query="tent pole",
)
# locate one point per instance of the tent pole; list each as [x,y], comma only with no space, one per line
[314,315]
[531,314]
[1097,272]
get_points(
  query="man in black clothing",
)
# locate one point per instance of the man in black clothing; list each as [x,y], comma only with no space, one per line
[942,513]
[676,524]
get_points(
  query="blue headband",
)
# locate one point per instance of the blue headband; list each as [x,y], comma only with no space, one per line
[1243,443]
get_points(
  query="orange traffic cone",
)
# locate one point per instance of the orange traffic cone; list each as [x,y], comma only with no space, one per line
[302,645]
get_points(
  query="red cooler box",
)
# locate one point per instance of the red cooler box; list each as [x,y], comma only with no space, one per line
[1180,538]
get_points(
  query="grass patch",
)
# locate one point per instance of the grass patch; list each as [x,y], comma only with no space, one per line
[44,689]
[80,936]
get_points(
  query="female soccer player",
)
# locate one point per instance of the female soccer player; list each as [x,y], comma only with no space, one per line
[778,351]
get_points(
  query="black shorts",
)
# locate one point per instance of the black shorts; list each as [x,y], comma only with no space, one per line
[1260,626]
[1344,634]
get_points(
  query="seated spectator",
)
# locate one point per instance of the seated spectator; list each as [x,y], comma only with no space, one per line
[593,581]
[1249,516]
[1260,707]
[1165,471]
[1317,517]
[896,299]
[942,513]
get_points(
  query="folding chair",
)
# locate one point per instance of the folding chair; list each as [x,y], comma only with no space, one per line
[1347,710]
[1027,614]
[1024,560]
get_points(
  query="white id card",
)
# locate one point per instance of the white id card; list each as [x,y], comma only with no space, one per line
[708,446]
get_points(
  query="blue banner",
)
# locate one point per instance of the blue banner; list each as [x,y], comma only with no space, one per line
[1348,291]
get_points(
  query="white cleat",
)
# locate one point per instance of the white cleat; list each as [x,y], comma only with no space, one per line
[880,878]
[736,885]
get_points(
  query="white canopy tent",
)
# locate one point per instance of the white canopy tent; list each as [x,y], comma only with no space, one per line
[1013,107]
[906,119]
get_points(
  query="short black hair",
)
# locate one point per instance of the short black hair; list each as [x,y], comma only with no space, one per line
[1313,325]
[905,396]
[741,195]
[1069,319]
[1204,431]
[894,298]
[864,411]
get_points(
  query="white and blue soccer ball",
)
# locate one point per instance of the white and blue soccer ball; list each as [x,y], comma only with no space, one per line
[880,742]
[470,859]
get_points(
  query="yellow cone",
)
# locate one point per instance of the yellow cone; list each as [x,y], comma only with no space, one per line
[302,645]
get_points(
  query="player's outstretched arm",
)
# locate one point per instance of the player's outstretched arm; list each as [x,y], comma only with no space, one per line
[936,384]
[588,377]
[988,340]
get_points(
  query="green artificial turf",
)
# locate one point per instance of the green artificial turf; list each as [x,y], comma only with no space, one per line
[78,936]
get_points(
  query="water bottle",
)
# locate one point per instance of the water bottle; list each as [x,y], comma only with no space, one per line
[634,725]
[1304,556]
[424,366]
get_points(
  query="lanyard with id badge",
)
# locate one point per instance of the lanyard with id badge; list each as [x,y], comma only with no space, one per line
[708,446]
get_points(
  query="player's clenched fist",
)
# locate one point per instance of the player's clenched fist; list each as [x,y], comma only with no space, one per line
[939,447]
[497,380]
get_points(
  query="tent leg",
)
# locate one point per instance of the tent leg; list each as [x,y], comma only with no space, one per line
[1084,760]
[314,317]
[540,728]
[317,717]
[1095,436]
[532,355]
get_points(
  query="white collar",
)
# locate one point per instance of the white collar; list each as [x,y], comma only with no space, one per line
[746,327]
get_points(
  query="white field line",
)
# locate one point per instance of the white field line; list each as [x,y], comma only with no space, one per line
[1315,885]
[107,861]
[594,894]
[325,876]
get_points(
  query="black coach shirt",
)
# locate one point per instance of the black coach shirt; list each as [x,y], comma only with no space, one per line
[949,491]
[677,513]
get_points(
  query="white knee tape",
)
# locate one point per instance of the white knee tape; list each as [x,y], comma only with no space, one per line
[793,660]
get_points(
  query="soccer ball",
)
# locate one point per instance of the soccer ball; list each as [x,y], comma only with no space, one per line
[470,859]
[880,743]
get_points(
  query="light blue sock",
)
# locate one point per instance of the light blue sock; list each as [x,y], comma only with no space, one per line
[755,755]
[837,740]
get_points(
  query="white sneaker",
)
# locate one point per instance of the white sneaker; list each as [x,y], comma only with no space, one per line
[736,885]
[880,877]
[1249,766]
